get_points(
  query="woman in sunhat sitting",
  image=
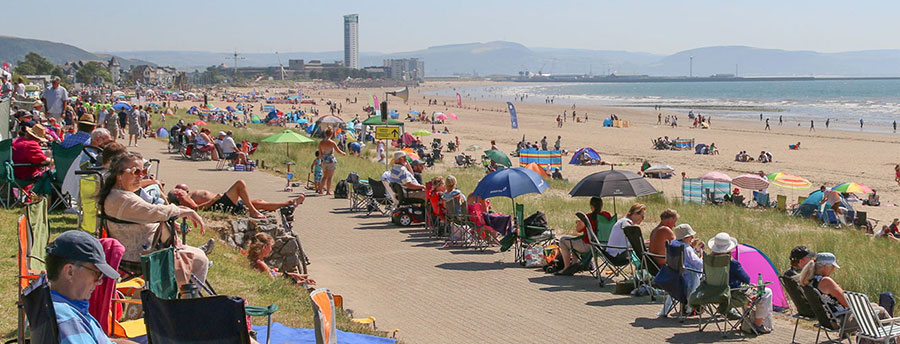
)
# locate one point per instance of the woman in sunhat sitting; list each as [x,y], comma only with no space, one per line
[761,323]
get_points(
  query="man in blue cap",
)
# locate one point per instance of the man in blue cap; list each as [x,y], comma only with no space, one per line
[76,264]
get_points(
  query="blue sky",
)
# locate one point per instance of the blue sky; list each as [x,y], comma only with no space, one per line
[662,27]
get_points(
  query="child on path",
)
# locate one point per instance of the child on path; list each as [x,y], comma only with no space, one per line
[316,169]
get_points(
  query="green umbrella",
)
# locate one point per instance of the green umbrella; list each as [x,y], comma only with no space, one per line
[498,157]
[421,132]
[287,137]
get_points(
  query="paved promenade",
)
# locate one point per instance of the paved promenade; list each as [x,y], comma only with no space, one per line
[439,295]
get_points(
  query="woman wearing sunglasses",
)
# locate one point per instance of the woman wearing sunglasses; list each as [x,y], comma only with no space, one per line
[133,221]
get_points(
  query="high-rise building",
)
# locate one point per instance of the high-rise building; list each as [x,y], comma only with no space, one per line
[406,69]
[351,41]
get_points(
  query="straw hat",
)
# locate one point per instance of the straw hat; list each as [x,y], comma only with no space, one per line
[398,155]
[683,230]
[38,132]
[722,243]
[87,119]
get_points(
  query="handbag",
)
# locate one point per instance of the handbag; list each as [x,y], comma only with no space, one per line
[534,257]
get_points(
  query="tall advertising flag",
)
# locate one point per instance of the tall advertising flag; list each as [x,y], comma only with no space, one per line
[458,100]
[299,95]
[375,100]
[512,115]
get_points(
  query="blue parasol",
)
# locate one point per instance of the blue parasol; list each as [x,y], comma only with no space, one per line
[510,182]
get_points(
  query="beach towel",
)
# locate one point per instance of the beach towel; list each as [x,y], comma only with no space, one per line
[284,334]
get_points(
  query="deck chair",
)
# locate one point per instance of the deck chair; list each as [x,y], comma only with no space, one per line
[714,296]
[828,321]
[870,327]
[324,316]
[436,219]
[781,204]
[38,306]
[64,159]
[33,234]
[762,199]
[829,218]
[379,200]
[802,308]
[527,236]
[646,267]
[671,279]
[222,162]
[197,320]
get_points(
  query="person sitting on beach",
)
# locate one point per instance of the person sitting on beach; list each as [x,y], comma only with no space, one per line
[794,147]
[568,243]
[800,255]
[617,241]
[662,234]
[873,199]
[260,248]
[27,150]
[230,149]
[400,174]
[235,200]
[763,158]
[683,235]
[557,174]
[886,233]
[817,273]
[204,143]
[445,131]
[723,243]
[712,149]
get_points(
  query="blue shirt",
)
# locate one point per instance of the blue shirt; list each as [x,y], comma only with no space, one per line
[400,175]
[737,275]
[78,138]
[76,324]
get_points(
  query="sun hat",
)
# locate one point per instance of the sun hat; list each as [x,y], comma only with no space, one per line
[221,133]
[80,246]
[37,131]
[722,243]
[38,103]
[683,230]
[398,155]
[87,119]
[827,258]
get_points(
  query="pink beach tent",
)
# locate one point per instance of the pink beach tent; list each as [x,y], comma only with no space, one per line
[755,262]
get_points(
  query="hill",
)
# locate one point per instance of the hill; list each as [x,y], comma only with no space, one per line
[14,49]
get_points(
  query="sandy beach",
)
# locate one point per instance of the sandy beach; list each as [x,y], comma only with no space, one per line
[827,157]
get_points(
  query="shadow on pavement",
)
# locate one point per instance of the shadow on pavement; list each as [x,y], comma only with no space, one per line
[376,225]
[474,266]
[704,337]
[622,300]
[567,283]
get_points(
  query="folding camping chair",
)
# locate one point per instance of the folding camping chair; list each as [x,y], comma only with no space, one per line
[324,316]
[89,184]
[33,234]
[197,320]
[15,190]
[762,199]
[617,266]
[647,267]
[829,218]
[828,321]
[802,308]
[436,220]
[379,200]
[870,327]
[714,296]
[781,204]
[63,159]
[37,304]
[458,228]
[671,279]
[221,162]
[527,236]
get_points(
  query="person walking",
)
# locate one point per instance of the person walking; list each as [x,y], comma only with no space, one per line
[812,125]
[827,122]
[780,120]
[895,126]
[659,119]
[767,125]
[860,124]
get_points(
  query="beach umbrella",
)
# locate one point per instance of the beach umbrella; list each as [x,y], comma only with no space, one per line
[287,137]
[852,188]
[421,132]
[441,117]
[750,182]
[510,182]
[661,168]
[200,123]
[716,176]
[452,115]
[498,157]
[788,181]
[613,183]
[330,120]
[121,106]
[473,148]
[414,112]
[411,154]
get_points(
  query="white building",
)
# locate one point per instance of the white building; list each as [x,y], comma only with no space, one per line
[351,41]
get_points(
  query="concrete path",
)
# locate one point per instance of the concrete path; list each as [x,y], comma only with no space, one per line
[437,295]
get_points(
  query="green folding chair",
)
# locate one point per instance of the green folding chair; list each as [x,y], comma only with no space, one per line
[64,159]
[13,188]
[523,240]
[714,296]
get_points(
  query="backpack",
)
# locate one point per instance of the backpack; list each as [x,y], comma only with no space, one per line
[886,300]
[535,224]
[340,189]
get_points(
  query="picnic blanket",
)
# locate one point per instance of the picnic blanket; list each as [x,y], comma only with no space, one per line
[283,334]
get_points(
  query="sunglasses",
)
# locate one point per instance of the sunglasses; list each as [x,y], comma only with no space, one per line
[136,171]
[95,271]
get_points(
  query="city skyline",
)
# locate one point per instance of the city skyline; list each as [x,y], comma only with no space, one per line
[657,27]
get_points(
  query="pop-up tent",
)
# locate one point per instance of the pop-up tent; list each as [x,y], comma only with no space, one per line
[811,204]
[536,168]
[757,265]
[608,122]
[585,156]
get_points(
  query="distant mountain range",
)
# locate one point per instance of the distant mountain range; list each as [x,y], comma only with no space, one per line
[14,49]
[510,58]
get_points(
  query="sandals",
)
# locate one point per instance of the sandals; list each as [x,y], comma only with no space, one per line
[760,329]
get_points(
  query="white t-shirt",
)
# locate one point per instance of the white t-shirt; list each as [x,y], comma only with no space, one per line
[617,237]
[55,98]
[20,90]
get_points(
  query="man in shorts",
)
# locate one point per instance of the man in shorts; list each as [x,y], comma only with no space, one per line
[235,200]
[56,97]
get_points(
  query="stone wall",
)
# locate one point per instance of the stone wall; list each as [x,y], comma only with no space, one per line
[286,253]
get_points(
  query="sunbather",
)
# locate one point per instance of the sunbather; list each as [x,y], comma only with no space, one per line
[235,200]
[873,199]
[817,273]
[259,249]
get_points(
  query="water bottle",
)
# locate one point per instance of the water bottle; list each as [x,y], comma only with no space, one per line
[189,291]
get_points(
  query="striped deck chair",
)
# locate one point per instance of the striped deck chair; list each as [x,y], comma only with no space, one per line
[870,327]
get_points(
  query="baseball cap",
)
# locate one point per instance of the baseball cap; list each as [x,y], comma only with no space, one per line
[80,246]
[221,133]
[827,258]
[417,162]
[801,252]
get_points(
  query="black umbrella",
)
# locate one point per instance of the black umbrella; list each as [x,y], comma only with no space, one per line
[613,183]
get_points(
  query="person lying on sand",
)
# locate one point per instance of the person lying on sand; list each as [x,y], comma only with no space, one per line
[235,200]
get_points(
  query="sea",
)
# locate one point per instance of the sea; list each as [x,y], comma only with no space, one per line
[842,102]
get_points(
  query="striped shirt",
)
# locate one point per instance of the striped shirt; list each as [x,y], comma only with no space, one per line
[400,175]
[76,324]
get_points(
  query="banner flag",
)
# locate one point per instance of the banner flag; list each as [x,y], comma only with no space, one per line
[512,115]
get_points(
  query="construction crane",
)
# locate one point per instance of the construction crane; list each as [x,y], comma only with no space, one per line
[281,65]
[236,57]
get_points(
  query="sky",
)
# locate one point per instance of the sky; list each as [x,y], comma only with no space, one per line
[661,27]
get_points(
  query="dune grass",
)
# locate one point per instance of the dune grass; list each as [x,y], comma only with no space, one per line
[865,262]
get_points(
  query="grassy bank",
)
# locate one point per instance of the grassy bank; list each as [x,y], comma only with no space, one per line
[774,233]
